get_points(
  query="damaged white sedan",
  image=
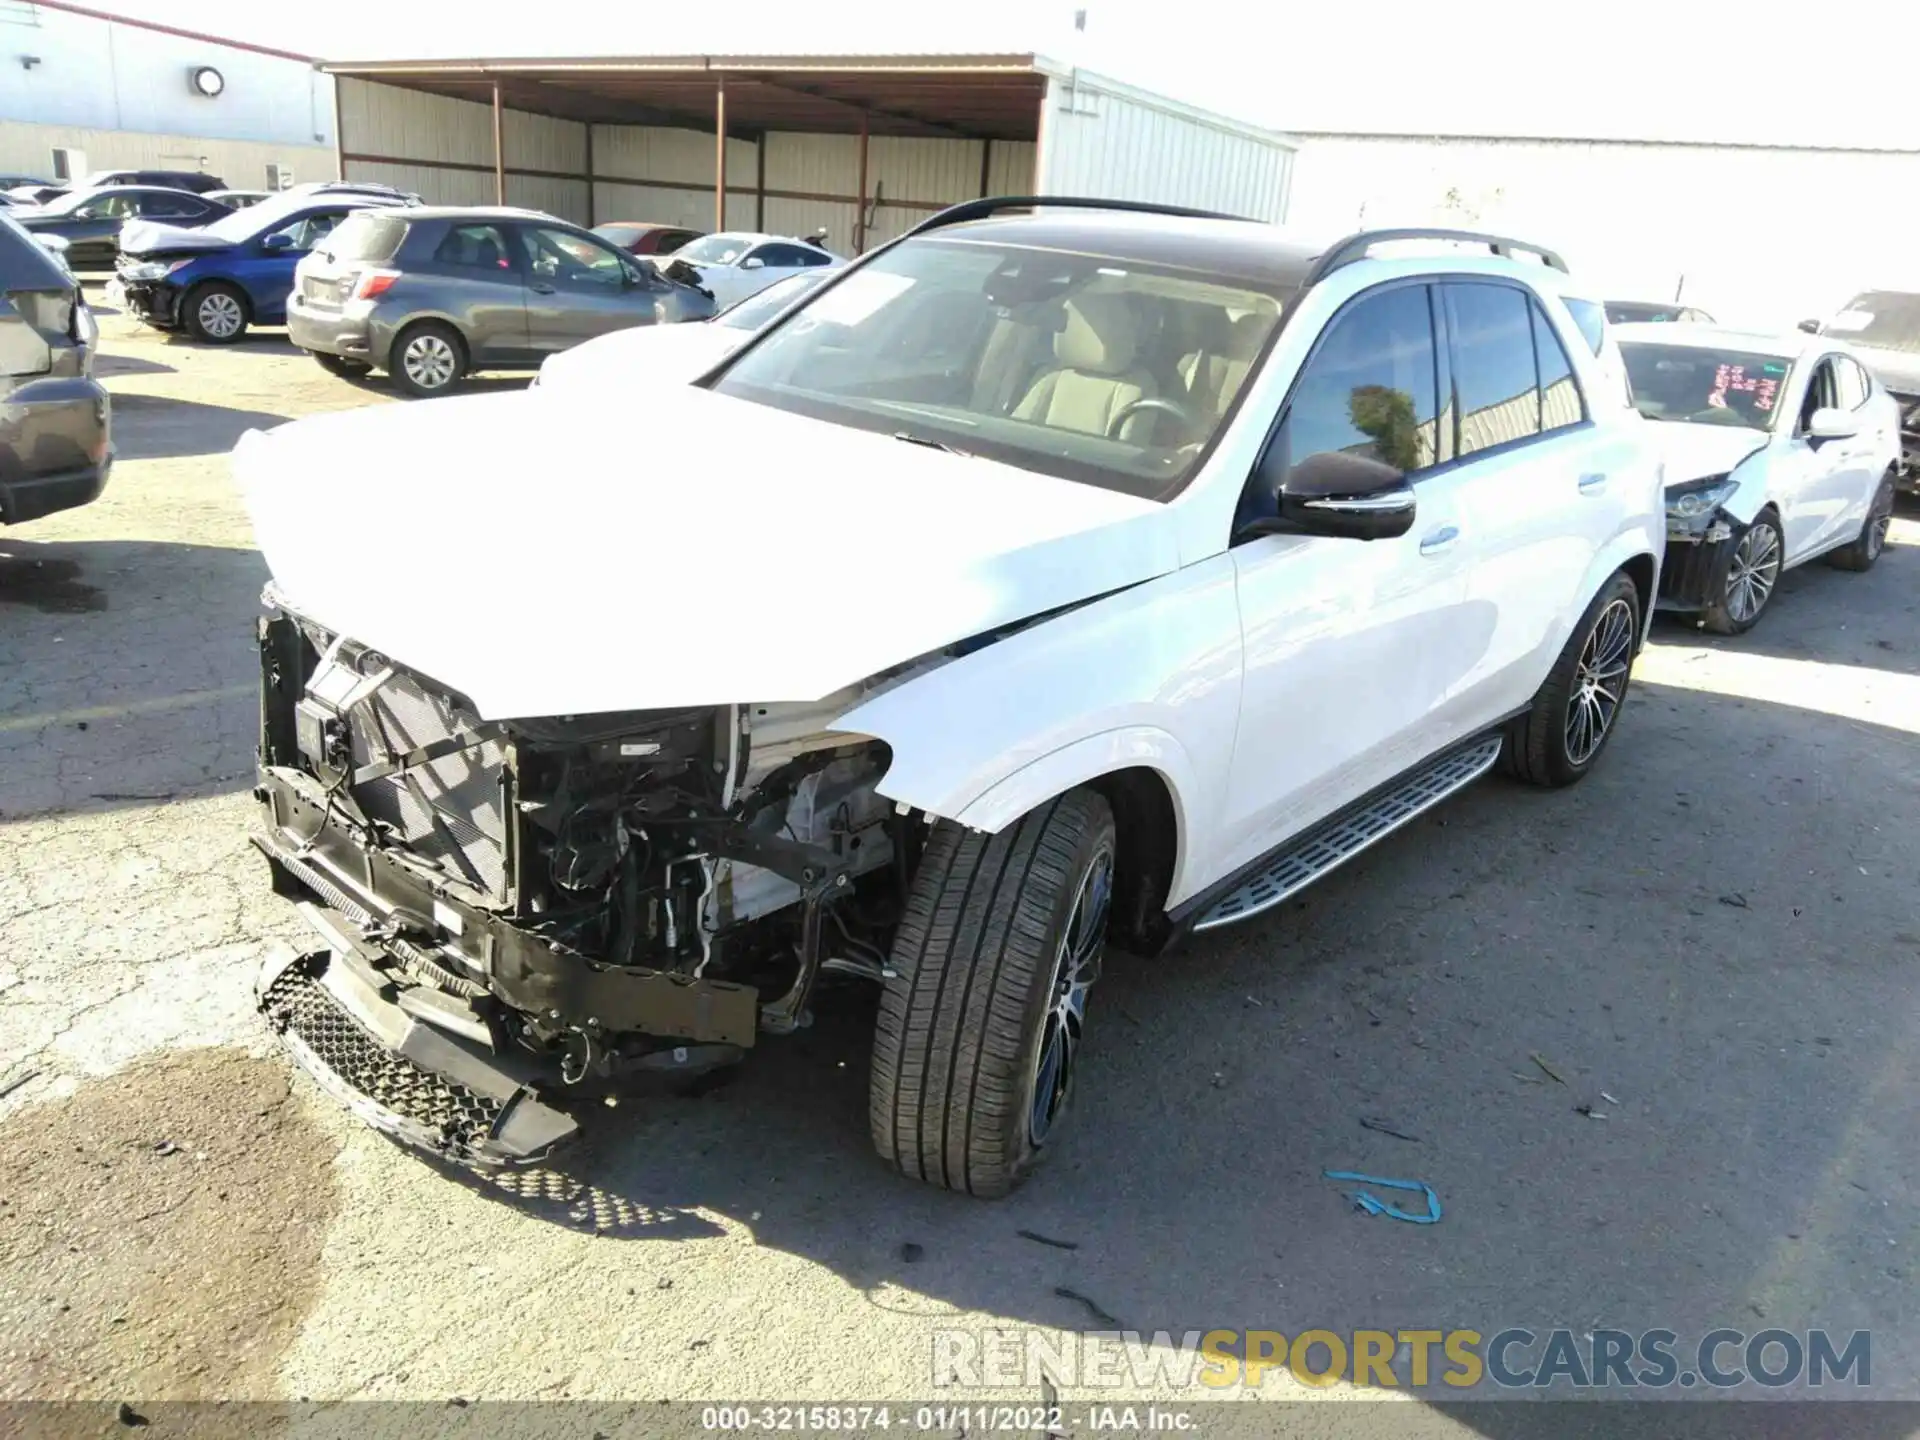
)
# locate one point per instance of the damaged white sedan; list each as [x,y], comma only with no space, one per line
[1049,576]
[1779,449]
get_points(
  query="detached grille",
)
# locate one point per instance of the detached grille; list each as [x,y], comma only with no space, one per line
[300,1008]
[447,810]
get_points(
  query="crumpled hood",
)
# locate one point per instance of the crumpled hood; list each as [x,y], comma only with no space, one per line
[1898,370]
[1697,451]
[150,237]
[545,557]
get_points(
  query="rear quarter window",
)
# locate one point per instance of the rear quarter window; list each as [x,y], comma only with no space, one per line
[1590,319]
[366,237]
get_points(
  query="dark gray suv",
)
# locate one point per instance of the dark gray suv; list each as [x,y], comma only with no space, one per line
[54,437]
[431,294]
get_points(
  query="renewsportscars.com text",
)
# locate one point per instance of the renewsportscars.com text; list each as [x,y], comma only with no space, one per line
[1509,1359]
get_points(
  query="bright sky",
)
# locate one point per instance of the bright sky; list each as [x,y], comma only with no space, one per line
[1701,70]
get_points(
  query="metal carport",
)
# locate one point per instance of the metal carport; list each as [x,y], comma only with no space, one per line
[860,146]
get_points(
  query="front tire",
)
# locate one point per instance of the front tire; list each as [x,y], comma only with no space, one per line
[980,1025]
[428,359]
[1872,539]
[1576,712]
[1753,573]
[215,313]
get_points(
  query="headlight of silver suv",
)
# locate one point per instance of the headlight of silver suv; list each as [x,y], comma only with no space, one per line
[1697,497]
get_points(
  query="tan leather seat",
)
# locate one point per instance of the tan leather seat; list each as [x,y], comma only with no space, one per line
[1094,376]
[1215,373]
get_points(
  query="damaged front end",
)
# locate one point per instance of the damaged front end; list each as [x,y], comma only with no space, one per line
[1700,542]
[513,914]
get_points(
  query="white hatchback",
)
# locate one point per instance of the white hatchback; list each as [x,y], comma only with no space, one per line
[1778,449]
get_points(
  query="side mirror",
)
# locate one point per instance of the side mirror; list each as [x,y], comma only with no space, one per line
[1342,496]
[280,241]
[753,262]
[1830,424]
[1812,327]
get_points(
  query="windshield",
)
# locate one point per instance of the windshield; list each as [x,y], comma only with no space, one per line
[757,309]
[1880,317]
[714,249]
[1707,387]
[1090,367]
[365,235]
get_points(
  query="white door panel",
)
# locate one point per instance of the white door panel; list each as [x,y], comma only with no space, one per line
[1796,475]
[1537,516]
[1352,651]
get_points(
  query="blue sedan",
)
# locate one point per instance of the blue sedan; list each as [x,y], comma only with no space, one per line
[215,282]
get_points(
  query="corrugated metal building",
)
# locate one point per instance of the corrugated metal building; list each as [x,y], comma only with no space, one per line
[862,146]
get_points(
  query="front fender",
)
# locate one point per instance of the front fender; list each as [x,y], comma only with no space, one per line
[1143,747]
[1148,678]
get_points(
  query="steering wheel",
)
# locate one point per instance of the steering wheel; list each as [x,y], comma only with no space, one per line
[1147,402]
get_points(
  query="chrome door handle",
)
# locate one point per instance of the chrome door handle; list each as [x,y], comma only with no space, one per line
[1441,539]
[1592,484]
[540,288]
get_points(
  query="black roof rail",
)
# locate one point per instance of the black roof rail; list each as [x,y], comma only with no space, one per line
[991,204]
[1356,246]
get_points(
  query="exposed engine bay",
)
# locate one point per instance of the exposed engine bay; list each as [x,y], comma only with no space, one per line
[599,897]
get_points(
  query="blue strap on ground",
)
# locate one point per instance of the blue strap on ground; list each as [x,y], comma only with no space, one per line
[1375,1206]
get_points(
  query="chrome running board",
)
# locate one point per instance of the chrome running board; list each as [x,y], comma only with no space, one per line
[1332,843]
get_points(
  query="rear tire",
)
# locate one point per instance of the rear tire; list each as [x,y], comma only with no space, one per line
[973,1055]
[1576,712]
[428,359]
[339,365]
[215,313]
[1872,539]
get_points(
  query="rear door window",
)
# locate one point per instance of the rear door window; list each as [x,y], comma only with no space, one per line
[1496,385]
[158,205]
[780,257]
[475,248]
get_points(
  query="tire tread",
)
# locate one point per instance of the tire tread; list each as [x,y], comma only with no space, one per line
[950,1041]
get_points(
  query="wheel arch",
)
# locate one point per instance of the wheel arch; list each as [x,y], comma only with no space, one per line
[1644,571]
[393,330]
[1145,776]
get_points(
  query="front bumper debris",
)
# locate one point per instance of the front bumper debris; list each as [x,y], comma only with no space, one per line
[1695,571]
[152,301]
[346,1025]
